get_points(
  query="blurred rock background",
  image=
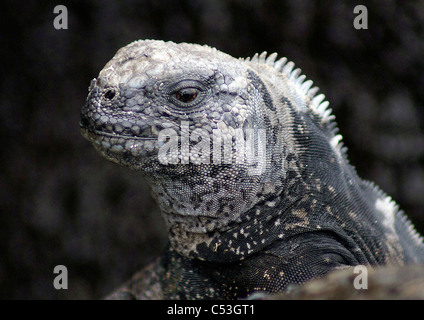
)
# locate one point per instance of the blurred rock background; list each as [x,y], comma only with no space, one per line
[61,203]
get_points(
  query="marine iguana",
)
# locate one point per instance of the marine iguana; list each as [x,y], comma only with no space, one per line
[246,163]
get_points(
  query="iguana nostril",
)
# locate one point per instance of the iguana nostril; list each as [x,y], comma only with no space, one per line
[110,94]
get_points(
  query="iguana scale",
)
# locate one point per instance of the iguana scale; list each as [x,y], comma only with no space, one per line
[247,166]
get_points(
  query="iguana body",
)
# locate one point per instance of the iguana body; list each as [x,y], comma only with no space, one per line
[237,226]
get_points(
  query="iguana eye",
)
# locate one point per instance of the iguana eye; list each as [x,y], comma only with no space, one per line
[187,95]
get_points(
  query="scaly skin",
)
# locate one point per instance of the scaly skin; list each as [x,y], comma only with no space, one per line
[295,210]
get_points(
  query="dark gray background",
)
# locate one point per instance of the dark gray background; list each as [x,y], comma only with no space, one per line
[61,203]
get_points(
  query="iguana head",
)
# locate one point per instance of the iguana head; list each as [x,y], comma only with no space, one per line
[208,133]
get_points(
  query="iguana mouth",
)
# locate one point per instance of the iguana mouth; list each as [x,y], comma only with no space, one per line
[113,146]
[92,133]
[90,128]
